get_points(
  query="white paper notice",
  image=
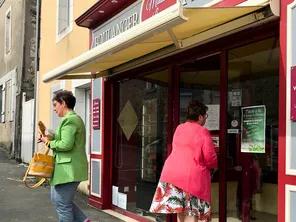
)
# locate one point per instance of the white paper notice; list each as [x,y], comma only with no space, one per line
[122,200]
[115,195]
[213,118]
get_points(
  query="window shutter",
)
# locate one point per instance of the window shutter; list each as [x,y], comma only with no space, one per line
[12,96]
[3,103]
[63,16]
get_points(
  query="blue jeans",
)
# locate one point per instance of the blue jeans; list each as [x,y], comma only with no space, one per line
[62,196]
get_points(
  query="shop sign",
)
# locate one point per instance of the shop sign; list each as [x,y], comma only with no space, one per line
[116,28]
[96,114]
[152,7]
[253,129]
[293,93]
[138,12]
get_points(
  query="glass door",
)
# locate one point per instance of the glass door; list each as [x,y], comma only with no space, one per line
[140,142]
[200,80]
[252,131]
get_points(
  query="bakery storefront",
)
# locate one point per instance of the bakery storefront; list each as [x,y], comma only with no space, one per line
[149,58]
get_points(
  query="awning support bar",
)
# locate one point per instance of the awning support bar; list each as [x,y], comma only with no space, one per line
[177,43]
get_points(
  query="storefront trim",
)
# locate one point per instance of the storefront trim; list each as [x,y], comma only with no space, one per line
[290,35]
[94,17]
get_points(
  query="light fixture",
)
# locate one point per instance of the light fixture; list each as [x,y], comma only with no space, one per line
[101,11]
[114,1]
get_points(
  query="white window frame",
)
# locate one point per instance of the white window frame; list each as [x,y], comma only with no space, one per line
[69,28]
[59,86]
[87,92]
[8,51]
[79,89]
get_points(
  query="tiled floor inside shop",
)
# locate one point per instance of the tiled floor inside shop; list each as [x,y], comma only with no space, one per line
[260,217]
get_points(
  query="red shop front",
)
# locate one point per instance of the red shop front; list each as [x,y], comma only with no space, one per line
[234,55]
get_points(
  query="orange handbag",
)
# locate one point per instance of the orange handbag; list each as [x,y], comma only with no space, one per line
[41,166]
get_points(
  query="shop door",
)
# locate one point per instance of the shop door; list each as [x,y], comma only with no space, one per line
[140,143]
[252,131]
[201,80]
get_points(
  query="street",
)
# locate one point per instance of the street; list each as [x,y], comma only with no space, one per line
[21,204]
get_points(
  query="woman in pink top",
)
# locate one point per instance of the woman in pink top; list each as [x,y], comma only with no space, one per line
[185,183]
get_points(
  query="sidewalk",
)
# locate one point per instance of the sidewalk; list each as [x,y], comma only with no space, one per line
[21,204]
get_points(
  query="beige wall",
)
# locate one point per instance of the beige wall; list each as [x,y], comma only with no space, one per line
[53,54]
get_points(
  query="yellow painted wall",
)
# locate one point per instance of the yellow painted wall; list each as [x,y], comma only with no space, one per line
[54,54]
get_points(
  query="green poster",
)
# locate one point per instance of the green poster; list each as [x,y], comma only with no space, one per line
[253,129]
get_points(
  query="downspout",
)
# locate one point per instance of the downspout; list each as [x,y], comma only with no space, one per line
[17,142]
[36,77]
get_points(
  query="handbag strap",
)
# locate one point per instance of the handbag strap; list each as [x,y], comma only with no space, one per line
[45,144]
[40,182]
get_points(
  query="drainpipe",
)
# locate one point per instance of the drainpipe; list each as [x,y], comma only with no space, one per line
[36,77]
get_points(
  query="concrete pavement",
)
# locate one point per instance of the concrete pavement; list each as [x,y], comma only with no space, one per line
[21,204]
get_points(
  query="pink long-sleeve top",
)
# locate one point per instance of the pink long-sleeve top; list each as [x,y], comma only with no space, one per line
[193,155]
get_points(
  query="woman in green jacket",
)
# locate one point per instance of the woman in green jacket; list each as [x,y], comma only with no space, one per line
[71,165]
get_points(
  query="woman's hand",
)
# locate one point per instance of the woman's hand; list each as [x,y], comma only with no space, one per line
[43,139]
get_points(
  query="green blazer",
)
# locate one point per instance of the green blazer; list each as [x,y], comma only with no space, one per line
[68,147]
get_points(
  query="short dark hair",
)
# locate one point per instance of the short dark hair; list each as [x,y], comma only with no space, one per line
[196,108]
[67,97]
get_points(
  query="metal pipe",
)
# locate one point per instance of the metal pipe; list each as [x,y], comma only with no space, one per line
[36,77]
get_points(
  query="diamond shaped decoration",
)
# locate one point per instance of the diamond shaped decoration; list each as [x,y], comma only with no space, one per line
[128,120]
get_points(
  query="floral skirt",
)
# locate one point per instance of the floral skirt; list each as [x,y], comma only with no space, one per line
[169,199]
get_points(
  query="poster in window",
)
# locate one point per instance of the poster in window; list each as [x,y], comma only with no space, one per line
[253,129]
[212,122]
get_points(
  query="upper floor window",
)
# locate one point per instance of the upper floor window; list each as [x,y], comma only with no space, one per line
[8,29]
[64,19]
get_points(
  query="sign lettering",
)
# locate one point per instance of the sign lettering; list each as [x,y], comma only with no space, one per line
[117,29]
[152,7]
[96,114]
[140,11]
